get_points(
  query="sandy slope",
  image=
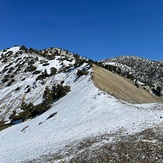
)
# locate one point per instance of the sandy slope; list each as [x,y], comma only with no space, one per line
[121,88]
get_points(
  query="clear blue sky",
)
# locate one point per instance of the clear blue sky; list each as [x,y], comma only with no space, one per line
[97,29]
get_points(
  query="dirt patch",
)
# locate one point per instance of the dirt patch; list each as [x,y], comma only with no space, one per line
[121,87]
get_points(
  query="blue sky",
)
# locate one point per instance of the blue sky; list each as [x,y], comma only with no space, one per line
[97,29]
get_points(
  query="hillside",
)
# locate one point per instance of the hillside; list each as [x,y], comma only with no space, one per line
[84,113]
[27,74]
[142,71]
[61,109]
[122,88]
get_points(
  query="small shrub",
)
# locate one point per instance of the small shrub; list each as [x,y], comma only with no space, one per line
[77,59]
[50,57]
[30,68]
[9,64]
[59,91]
[45,64]
[10,69]
[5,79]
[81,73]
[36,72]
[36,58]
[17,89]
[4,50]
[10,83]
[47,96]
[157,91]
[12,115]
[31,62]
[53,71]
[6,76]
[31,50]
[12,76]
[23,47]
[137,85]
[42,76]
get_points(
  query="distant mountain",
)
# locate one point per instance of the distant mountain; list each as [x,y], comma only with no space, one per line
[143,71]
[56,106]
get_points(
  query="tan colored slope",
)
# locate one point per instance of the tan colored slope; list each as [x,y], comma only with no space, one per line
[121,87]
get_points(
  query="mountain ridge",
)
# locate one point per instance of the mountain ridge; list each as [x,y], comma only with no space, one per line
[25,73]
[83,120]
[22,70]
[141,71]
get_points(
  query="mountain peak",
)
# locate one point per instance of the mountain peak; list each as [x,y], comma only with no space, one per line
[25,73]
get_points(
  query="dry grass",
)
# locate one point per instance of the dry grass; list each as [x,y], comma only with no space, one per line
[121,87]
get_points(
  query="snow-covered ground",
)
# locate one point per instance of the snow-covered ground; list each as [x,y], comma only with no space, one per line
[84,112]
[12,96]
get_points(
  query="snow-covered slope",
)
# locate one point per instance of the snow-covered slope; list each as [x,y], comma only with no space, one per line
[24,75]
[85,112]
